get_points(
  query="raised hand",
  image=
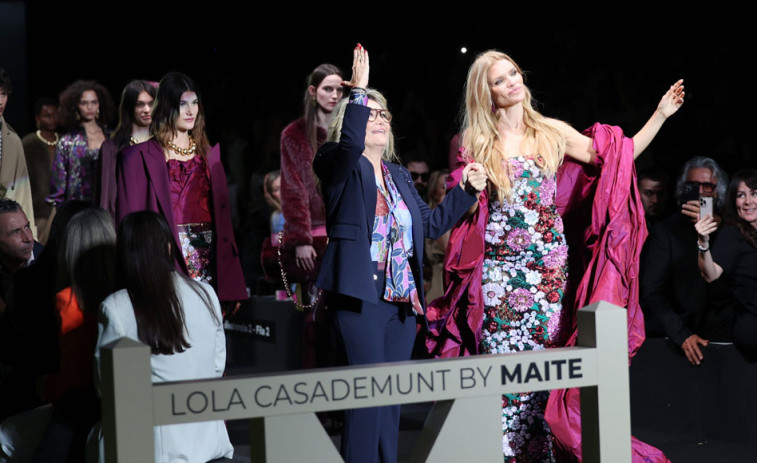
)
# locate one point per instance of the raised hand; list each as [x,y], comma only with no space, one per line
[672,99]
[360,68]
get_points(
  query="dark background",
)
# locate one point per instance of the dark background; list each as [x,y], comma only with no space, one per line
[585,62]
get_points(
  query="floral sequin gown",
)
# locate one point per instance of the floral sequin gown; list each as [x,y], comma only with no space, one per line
[525,270]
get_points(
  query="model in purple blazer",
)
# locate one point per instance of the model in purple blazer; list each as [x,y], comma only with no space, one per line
[142,183]
[196,192]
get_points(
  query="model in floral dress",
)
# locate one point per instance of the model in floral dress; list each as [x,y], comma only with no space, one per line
[523,282]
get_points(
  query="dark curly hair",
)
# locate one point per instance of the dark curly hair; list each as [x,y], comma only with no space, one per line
[69,104]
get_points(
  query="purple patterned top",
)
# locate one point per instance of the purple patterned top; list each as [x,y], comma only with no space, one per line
[392,243]
[74,169]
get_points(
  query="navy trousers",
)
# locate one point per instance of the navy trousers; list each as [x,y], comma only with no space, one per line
[376,334]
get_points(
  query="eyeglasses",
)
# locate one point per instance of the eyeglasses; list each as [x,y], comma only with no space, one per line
[385,115]
[419,175]
[706,187]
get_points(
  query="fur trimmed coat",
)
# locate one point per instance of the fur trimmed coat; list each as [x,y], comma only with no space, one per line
[301,202]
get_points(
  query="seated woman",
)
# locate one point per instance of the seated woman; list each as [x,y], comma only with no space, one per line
[179,318]
[86,273]
[735,255]
[371,271]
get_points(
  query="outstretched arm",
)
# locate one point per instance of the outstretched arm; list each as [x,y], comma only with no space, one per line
[669,104]
[580,147]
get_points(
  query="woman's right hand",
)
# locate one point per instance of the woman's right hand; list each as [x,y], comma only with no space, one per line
[705,227]
[305,257]
[360,68]
[691,209]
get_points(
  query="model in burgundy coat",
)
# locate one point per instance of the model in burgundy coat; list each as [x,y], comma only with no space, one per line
[142,183]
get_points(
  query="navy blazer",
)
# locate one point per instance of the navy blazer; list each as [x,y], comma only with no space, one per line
[348,186]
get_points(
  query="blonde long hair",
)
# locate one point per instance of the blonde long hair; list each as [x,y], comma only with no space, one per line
[337,118]
[482,141]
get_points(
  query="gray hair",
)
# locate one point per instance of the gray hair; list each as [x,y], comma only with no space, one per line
[721,178]
[88,256]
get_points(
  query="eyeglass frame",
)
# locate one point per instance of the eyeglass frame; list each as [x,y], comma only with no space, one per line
[707,187]
[385,115]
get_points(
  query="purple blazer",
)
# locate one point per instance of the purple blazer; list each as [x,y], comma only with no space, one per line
[105,192]
[142,184]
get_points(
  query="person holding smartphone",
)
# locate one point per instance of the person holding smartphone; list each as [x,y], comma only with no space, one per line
[735,255]
[690,315]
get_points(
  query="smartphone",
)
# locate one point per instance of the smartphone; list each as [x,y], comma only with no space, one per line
[705,206]
[690,191]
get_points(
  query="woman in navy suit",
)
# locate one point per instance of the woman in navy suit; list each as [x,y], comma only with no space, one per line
[376,223]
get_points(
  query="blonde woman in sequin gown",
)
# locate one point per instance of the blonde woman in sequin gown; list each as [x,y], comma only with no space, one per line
[523,271]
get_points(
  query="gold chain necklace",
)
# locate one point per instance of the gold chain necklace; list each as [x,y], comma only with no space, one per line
[45,141]
[184,151]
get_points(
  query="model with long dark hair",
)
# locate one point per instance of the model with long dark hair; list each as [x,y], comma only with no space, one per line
[178,174]
[134,118]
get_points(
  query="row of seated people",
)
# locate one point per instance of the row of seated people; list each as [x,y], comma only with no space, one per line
[678,303]
[90,286]
[692,379]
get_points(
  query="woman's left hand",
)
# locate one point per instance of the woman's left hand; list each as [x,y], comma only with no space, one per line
[474,177]
[672,100]
[360,68]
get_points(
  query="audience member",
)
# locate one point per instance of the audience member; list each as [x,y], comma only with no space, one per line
[254,234]
[653,186]
[17,250]
[272,193]
[734,254]
[86,110]
[419,170]
[14,177]
[86,272]
[676,302]
[454,150]
[39,148]
[269,257]
[17,246]
[435,248]
[29,330]
[178,318]
[134,118]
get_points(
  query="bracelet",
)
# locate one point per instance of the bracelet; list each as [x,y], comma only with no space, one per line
[358,95]
[703,249]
